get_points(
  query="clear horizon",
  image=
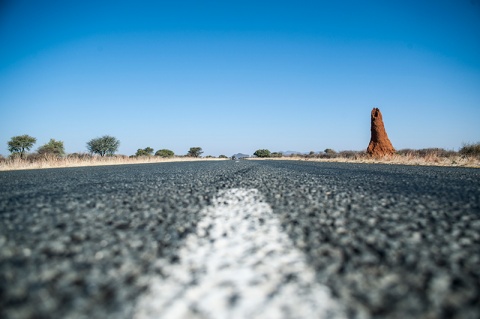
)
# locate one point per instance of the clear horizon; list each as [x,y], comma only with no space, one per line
[234,77]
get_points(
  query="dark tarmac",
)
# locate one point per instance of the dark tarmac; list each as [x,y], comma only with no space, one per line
[389,241]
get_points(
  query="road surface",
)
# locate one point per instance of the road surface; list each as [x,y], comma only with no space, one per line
[240,239]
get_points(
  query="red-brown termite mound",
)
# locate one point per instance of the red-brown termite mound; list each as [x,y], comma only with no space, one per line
[379,145]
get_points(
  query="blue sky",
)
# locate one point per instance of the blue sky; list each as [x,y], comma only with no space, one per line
[236,76]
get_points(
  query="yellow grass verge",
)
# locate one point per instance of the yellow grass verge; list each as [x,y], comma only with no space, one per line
[53,162]
[456,161]
[20,164]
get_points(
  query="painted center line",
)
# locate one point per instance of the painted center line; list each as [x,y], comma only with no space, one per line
[239,264]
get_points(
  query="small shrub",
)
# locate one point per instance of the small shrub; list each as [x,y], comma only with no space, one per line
[148,151]
[53,147]
[426,152]
[350,154]
[262,153]
[439,152]
[37,157]
[165,153]
[329,153]
[470,150]
[80,156]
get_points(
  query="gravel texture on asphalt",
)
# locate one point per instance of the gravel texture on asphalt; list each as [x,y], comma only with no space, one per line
[389,241]
[238,264]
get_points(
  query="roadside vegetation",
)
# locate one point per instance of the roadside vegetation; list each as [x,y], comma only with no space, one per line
[35,161]
[470,150]
[101,151]
[468,155]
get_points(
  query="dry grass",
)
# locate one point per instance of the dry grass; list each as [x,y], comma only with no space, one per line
[75,161]
[398,159]
[403,157]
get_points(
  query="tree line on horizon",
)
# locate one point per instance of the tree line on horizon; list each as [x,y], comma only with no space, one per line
[108,145]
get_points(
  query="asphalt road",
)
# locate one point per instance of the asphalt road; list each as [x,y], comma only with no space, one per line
[386,241]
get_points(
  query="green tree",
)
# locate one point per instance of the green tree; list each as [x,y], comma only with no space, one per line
[222,156]
[195,152]
[165,153]
[20,144]
[148,151]
[53,147]
[105,145]
[141,152]
[262,153]
[277,154]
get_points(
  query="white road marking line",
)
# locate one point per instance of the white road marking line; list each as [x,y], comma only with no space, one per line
[239,264]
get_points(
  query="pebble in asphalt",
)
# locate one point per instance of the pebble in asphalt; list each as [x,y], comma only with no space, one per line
[389,241]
